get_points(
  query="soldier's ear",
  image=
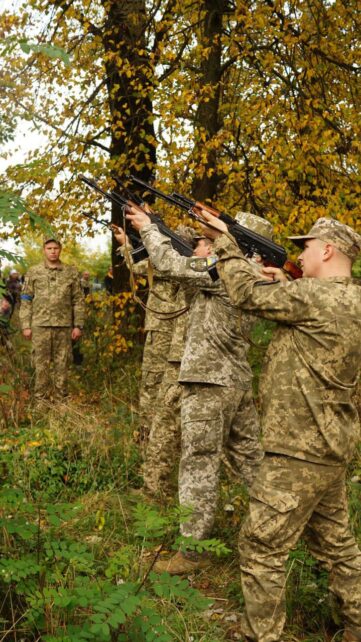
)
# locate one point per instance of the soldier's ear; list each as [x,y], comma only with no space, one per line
[328,252]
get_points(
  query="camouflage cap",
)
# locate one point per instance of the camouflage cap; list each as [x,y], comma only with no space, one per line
[343,237]
[187,233]
[51,239]
[255,223]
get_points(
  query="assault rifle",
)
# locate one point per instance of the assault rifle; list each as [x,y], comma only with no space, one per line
[139,252]
[250,242]
[184,248]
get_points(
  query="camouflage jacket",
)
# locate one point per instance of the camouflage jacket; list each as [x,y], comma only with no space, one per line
[161,296]
[183,301]
[313,362]
[52,297]
[215,348]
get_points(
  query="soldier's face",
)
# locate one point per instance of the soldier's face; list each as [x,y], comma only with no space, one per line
[311,258]
[52,252]
[203,249]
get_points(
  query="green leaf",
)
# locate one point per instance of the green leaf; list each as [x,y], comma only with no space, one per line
[25,47]
[5,389]
[117,618]
[12,207]
[51,51]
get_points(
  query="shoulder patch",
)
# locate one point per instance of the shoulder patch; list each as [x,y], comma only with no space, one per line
[200,264]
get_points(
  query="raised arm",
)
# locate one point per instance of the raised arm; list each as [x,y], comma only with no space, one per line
[288,302]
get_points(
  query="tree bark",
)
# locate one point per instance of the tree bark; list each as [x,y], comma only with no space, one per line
[130,83]
[208,120]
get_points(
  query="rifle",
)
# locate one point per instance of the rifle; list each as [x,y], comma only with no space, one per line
[250,242]
[184,248]
[139,252]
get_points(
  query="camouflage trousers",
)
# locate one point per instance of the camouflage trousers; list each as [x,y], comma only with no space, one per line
[215,420]
[51,345]
[155,355]
[290,498]
[163,446]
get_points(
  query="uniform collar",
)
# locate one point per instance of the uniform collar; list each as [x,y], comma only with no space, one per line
[56,267]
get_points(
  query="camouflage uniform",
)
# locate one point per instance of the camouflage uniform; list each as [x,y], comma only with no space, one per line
[310,428]
[158,328]
[163,445]
[52,303]
[217,411]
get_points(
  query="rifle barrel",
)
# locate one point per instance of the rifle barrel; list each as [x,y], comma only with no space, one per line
[157,192]
[178,243]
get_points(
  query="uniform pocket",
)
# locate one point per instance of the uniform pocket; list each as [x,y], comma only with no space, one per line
[270,513]
[201,437]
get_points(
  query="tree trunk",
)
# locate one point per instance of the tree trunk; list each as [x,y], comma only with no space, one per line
[208,120]
[130,82]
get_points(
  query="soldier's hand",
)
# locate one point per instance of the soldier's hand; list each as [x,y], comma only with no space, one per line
[273,274]
[137,217]
[76,334]
[119,234]
[217,226]
[209,232]
[27,333]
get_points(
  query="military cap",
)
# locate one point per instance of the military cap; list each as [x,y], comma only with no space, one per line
[343,237]
[51,239]
[187,233]
[255,223]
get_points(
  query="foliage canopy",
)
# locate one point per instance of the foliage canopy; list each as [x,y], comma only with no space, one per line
[253,105]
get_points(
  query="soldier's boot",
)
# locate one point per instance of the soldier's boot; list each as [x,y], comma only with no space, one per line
[181,564]
[349,636]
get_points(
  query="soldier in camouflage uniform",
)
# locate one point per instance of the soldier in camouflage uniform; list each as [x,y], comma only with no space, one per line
[310,425]
[217,409]
[158,327]
[164,439]
[51,315]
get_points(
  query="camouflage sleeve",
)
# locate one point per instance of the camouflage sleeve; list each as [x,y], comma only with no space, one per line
[140,268]
[171,264]
[77,301]
[289,302]
[26,302]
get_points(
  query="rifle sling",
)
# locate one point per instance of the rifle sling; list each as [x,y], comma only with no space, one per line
[163,316]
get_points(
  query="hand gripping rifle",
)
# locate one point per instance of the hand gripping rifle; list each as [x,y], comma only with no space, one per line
[250,242]
[139,252]
[184,248]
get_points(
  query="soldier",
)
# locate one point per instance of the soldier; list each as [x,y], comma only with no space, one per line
[158,327]
[163,447]
[217,409]
[310,425]
[51,315]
